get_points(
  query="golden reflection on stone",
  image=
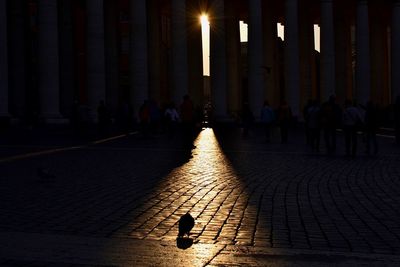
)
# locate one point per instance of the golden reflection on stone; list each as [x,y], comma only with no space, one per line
[208,187]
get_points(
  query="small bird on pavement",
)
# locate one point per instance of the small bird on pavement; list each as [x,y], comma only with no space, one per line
[186,223]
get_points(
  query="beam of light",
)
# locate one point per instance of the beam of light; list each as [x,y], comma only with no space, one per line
[205,36]
[317,32]
[243,31]
[281,31]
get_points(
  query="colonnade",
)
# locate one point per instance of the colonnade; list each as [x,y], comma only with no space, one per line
[231,83]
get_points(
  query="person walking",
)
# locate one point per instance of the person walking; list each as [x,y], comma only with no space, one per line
[247,119]
[267,119]
[187,121]
[314,125]
[306,121]
[144,117]
[172,119]
[371,127]
[351,123]
[284,119]
[330,121]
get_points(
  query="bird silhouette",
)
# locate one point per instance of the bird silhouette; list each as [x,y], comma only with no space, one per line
[186,223]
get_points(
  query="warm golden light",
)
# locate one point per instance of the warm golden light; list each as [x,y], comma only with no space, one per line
[204,20]
[205,30]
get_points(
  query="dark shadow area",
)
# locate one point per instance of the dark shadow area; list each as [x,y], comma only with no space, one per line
[302,199]
[184,242]
[119,176]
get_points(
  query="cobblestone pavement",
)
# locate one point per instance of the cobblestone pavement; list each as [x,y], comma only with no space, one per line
[254,203]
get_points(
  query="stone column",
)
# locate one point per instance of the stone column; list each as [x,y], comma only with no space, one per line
[111,58]
[155,54]
[292,72]
[3,60]
[343,51]
[218,60]
[363,66]
[195,55]
[49,69]
[270,59]
[68,92]
[233,58]
[138,54]
[306,47]
[327,50]
[379,56]
[256,67]
[179,51]
[17,59]
[96,80]
[395,52]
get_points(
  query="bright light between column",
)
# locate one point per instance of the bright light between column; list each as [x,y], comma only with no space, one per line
[281,31]
[205,32]
[243,31]
[317,37]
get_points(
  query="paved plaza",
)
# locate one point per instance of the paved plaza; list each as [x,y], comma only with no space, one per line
[116,202]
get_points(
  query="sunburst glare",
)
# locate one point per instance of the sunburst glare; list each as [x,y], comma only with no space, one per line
[204,20]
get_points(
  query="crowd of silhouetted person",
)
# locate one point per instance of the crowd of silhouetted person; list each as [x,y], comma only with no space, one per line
[148,121]
[324,120]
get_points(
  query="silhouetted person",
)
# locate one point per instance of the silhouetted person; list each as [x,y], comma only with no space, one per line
[267,119]
[314,125]
[371,127]
[144,118]
[397,119]
[187,121]
[155,116]
[284,120]
[247,119]
[186,223]
[330,121]
[103,117]
[306,121]
[198,118]
[172,119]
[125,117]
[351,122]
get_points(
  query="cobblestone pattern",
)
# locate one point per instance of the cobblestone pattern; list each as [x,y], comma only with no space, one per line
[241,197]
